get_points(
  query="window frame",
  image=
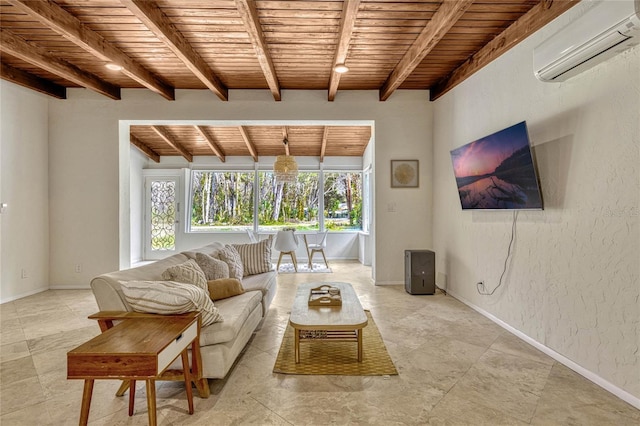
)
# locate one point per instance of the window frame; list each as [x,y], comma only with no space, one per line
[189,200]
[361,172]
[256,170]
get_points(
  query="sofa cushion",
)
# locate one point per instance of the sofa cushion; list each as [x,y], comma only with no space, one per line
[169,297]
[210,249]
[235,311]
[188,272]
[260,282]
[231,257]
[256,257]
[213,268]
[224,288]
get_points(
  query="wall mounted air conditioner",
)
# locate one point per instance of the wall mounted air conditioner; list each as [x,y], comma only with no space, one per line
[605,30]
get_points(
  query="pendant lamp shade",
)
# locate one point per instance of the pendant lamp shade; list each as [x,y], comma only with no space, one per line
[285,168]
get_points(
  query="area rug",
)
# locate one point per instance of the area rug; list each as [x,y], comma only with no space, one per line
[318,268]
[337,358]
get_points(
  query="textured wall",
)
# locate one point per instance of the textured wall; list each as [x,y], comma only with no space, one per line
[88,203]
[24,227]
[573,281]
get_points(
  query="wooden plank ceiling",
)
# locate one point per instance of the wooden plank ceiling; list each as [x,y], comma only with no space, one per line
[255,141]
[218,45]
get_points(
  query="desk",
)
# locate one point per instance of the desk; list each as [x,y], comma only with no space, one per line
[140,349]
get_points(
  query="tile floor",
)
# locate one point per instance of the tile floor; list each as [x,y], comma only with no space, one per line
[456,368]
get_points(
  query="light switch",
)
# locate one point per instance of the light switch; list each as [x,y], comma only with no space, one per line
[391,207]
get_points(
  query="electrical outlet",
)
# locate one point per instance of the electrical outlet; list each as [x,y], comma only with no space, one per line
[24,274]
[78,268]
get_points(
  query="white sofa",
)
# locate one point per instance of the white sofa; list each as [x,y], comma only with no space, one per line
[221,342]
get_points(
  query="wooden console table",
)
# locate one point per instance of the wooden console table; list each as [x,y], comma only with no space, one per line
[141,347]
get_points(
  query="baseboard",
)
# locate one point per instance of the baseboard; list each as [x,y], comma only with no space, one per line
[590,375]
[21,295]
[389,283]
[70,287]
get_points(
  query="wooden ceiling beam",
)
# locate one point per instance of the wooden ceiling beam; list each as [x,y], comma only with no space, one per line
[144,148]
[323,148]
[249,13]
[285,137]
[212,144]
[347,22]
[40,57]
[33,82]
[247,141]
[445,17]
[158,23]
[169,139]
[537,17]
[67,25]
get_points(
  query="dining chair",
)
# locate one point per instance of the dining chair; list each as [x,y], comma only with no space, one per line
[253,237]
[287,243]
[317,245]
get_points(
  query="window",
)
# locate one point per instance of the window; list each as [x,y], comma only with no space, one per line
[342,201]
[293,205]
[366,200]
[162,203]
[224,201]
[221,201]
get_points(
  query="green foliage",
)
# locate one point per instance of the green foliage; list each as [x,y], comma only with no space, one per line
[343,200]
[225,200]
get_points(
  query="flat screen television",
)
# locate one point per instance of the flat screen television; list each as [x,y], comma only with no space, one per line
[497,172]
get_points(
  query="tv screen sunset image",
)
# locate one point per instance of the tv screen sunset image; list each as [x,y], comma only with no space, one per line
[497,171]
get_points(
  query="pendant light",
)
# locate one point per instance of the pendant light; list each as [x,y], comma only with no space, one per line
[285,168]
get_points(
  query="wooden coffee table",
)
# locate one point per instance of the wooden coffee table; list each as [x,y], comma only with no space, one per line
[139,348]
[330,323]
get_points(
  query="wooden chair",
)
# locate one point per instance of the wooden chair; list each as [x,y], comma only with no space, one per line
[253,237]
[317,246]
[287,243]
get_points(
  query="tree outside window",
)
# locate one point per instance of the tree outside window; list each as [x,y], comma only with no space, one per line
[221,201]
[288,205]
[224,201]
[342,201]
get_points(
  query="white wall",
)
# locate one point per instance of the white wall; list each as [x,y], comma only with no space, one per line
[24,226]
[573,281]
[138,162]
[88,206]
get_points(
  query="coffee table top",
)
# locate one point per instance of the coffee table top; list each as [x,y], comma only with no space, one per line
[349,316]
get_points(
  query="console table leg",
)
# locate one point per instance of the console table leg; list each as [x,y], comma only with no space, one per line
[86,402]
[132,396]
[187,379]
[123,388]
[296,345]
[151,401]
[359,332]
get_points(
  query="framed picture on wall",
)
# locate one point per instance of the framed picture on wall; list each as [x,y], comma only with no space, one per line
[404,174]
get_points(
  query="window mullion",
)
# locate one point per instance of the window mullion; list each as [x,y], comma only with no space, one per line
[321,199]
[256,196]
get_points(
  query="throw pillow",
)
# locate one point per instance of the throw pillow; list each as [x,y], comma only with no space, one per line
[169,297]
[223,288]
[188,272]
[213,268]
[232,258]
[256,257]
